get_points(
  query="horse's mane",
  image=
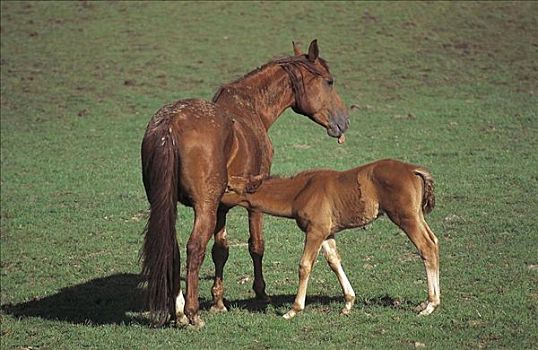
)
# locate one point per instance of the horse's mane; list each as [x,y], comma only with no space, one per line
[289,64]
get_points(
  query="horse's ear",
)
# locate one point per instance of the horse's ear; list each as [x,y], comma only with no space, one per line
[296,49]
[313,51]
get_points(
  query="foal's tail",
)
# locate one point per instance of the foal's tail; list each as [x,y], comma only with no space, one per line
[160,252]
[428,197]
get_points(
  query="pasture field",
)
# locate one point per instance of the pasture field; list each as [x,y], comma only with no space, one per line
[451,86]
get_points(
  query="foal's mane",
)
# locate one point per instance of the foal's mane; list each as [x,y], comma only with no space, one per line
[290,64]
[304,173]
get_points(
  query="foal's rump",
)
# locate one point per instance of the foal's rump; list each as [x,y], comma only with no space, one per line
[428,196]
[402,185]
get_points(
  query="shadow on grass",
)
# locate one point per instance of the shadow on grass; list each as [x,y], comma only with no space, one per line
[278,301]
[106,300]
[118,299]
[281,301]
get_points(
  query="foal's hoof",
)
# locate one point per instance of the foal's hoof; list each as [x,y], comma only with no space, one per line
[218,309]
[345,312]
[425,308]
[290,314]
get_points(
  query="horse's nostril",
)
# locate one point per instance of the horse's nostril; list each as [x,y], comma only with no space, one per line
[343,124]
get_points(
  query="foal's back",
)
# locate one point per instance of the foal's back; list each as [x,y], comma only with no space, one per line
[356,197]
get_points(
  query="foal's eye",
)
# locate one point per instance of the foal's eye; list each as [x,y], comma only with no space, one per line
[330,82]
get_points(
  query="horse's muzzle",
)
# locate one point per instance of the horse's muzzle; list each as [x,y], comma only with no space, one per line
[338,125]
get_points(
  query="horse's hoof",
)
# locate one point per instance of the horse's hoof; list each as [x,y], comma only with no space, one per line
[182,320]
[263,298]
[218,309]
[196,322]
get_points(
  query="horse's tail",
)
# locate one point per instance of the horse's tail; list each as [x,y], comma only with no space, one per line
[428,196]
[160,251]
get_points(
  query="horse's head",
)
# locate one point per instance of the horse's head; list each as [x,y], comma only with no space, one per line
[315,93]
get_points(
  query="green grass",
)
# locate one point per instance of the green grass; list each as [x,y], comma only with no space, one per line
[451,86]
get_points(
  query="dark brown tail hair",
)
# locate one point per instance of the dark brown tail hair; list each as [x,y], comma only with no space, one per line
[428,196]
[160,252]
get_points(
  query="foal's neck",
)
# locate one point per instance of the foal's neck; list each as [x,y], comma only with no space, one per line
[276,196]
[265,92]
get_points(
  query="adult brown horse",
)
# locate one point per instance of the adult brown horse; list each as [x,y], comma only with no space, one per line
[190,150]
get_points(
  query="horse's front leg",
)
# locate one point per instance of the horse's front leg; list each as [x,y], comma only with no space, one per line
[219,254]
[256,248]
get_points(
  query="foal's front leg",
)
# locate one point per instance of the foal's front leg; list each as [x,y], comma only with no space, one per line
[333,259]
[311,250]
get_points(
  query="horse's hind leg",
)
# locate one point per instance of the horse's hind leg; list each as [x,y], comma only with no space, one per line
[427,244]
[256,248]
[180,301]
[333,258]
[180,309]
[219,253]
[204,226]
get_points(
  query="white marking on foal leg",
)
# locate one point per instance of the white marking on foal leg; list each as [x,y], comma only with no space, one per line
[298,305]
[349,294]
[433,292]
[180,306]
[310,253]
[427,244]
[331,255]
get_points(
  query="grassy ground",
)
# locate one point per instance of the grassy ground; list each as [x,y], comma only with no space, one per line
[451,86]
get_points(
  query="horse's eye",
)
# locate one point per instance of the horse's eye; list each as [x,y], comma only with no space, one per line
[330,82]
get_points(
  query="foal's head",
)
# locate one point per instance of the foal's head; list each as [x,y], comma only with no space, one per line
[315,93]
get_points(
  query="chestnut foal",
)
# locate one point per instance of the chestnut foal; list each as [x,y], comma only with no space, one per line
[324,202]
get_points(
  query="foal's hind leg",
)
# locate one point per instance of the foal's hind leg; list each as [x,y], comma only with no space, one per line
[427,244]
[256,248]
[219,253]
[333,258]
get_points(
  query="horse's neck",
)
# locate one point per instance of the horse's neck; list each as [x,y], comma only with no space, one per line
[265,94]
[276,196]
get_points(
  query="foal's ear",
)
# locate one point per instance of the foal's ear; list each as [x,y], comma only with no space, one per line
[296,49]
[313,51]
